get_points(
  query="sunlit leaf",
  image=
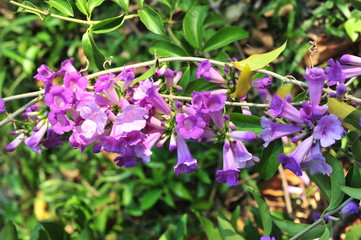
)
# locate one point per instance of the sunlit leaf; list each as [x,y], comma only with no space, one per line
[150,198]
[341,110]
[144,76]
[93,4]
[258,61]
[82,6]
[193,25]
[108,25]
[63,6]
[151,19]
[352,192]
[211,231]
[92,51]
[244,83]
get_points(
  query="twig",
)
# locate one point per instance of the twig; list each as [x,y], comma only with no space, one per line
[284,186]
[46,13]
[20,110]
[24,95]
[313,225]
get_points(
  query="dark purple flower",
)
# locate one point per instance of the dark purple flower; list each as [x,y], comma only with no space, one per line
[186,163]
[281,108]
[293,161]
[272,131]
[316,79]
[59,99]
[262,82]
[209,73]
[189,127]
[126,161]
[52,139]
[341,90]
[267,238]
[154,98]
[310,114]
[316,162]
[229,174]
[334,73]
[2,105]
[328,130]
[350,207]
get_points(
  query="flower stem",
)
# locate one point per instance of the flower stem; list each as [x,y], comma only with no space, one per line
[24,95]
[46,13]
[20,110]
[313,225]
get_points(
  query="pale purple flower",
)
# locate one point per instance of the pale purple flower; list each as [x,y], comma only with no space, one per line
[104,84]
[82,138]
[244,136]
[351,60]
[67,67]
[132,118]
[33,141]
[316,79]
[2,105]
[267,238]
[242,157]
[186,163]
[328,130]
[44,74]
[293,161]
[272,131]
[15,143]
[189,127]
[341,89]
[172,143]
[230,171]
[172,77]
[334,73]
[95,119]
[310,114]
[350,208]
[59,99]
[127,76]
[209,73]
[157,101]
[281,108]
[75,80]
[316,162]
[152,137]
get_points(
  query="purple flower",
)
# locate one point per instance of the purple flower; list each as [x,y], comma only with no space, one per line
[15,143]
[272,131]
[242,157]
[245,136]
[133,118]
[267,238]
[262,82]
[126,161]
[293,161]
[209,73]
[351,60]
[67,67]
[104,84]
[154,98]
[44,74]
[95,119]
[2,105]
[350,207]
[172,77]
[229,174]
[189,127]
[310,114]
[186,163]
[316,79]
[127,76]
[328,130]
[58,98]
[213,106]
[340,91]
[33,142]
[334,73]
[75,80]
[281,108]
[60,122]
[316,162]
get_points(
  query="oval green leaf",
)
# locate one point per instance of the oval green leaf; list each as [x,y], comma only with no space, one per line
[151,20]
[269,159]
[224,37]
[93,4]
[352,192]
[92,51]
[108,25]
[246,122]
[150,198]
[63,6]
[166,49]
[82,6]
[337,180]
[258,61]
[123,4]
[193,25]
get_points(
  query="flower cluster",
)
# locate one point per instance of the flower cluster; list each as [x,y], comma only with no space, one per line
[120,115]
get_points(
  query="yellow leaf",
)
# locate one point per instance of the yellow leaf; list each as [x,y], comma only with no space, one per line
[285,90]
[244,83]
[40,205]
[258,61]
[341,110]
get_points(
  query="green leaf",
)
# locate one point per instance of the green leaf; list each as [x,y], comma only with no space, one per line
[164,48]
[352,192]
[39,233]
[151,20]
[226,229]
[141,3]
[326,234]
[224,37]
[323,182]
[181,232]
[150,198]
[211,231]
[82,6]
[353,119]
[353,27]
[353,177]
[235,215]
[258,61]
[356,148]
[145,75]
[30,4]
[355,232]
[86,234]
[93,4]
[9,232]
[265,214]
[123,4]
[91,50]
[269,159]
[294,228]
[337,180]
[181,191]
[108,25]
[55,230]
[193,25]
[63,6]
[246,122]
